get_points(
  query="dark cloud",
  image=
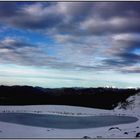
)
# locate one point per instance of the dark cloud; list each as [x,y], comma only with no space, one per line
[7,9]
[9,43]
[117,9]
[122,60]
[131,70]
[122,52]
[81,18]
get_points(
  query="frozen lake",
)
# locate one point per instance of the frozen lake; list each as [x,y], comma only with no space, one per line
[64,122]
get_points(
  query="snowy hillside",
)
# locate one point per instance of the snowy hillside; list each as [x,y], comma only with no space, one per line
[131,106]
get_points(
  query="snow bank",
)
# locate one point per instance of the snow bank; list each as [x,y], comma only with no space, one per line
[54,109]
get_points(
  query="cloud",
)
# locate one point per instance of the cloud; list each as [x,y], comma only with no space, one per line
[66,38]
[66,17]
[16,51]
[131,69]
[22,53]
[99,26]
[10,43]
[7,9]
[122,52]
[89,35]
[77,18]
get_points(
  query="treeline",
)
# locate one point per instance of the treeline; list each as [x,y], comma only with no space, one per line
[105,98]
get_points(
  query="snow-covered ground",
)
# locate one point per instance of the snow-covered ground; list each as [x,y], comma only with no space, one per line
[11,130]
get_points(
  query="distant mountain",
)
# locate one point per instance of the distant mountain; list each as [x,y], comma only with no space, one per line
[105,98]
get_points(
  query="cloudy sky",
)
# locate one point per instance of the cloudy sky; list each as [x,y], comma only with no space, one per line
[70,44]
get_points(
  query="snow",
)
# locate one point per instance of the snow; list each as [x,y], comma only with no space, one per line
[9,130]
[54,109]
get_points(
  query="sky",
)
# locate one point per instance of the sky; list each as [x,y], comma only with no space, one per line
[70,44]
